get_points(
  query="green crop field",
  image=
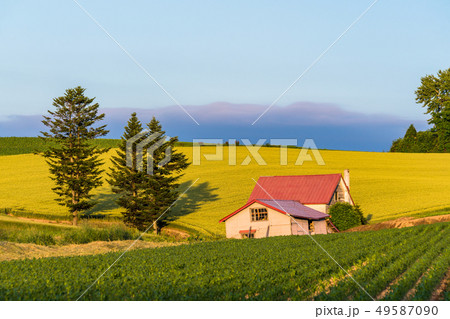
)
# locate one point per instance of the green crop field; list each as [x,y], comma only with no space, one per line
[26,145]
[393,264]
[386,185]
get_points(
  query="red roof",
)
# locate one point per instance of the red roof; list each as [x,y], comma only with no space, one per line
[290,207]
[306,189]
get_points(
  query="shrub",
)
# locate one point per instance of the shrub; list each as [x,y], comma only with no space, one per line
[364,220]
[345,216]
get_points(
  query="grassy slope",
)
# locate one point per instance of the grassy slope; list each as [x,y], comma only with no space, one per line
[386,185]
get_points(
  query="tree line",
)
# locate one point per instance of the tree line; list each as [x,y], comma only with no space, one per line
[75,162]
[434,95]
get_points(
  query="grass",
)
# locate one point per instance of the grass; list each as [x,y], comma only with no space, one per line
[386,185]
[23,231]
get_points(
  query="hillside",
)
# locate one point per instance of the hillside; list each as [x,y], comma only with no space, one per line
[386,185]
[392,264]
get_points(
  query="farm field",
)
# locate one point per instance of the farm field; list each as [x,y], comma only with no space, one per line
[386,185]
[393,264]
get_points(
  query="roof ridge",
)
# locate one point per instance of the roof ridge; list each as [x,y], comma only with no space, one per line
[279,200]
[301,175]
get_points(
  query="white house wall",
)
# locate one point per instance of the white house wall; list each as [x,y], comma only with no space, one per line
[277,224]
[300,227]
[320,227]
[323,208]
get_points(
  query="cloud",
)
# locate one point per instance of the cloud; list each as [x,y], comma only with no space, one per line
[329,125]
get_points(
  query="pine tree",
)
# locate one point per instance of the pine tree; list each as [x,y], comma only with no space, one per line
[74,162]
[127,180]
[410,140]
[146,195]
[162,187]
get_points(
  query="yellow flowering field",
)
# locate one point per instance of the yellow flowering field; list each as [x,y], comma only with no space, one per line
[385,185]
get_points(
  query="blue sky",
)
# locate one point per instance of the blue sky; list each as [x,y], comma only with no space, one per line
[234,51]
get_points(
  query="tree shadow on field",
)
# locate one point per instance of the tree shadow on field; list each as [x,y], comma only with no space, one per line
[192,200]
[105,202]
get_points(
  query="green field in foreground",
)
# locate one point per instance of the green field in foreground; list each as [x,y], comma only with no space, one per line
[386,185]
[392,264]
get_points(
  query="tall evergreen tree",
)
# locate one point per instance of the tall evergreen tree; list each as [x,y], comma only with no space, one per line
[74,162]
[127,180]
[146,194]
[410,140]
[163,180]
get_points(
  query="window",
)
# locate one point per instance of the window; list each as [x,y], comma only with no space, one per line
[252,235]
[259,214]
[310,226]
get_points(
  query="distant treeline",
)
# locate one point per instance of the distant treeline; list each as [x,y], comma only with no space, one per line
[434,95]
[416,142]
[27,145]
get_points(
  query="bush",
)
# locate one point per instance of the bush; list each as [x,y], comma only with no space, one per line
[345,216]
[364,220]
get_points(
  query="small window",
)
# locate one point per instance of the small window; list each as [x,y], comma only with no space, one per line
[259,214]
[311,226]
[247,235]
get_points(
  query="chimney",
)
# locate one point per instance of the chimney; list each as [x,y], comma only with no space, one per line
[347,177]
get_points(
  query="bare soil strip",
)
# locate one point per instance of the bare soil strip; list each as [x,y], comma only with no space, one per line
[412,291]
[394,282]
[403,222]
[334,281]
[11,251]
[438,293]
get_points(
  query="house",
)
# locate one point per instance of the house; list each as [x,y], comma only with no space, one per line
[289,205]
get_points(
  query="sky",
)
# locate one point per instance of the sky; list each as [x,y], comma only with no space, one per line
[236,53]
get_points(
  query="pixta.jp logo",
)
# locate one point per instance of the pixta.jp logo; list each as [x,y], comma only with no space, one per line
[142,143]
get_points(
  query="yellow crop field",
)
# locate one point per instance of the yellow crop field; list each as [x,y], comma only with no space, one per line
[386,185]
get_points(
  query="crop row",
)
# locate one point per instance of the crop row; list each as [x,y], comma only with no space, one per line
[408,280]
[374,273]
[278,268]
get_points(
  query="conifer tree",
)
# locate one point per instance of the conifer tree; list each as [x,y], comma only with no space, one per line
[74,162]
[146,195]
[163,180]
[127,180]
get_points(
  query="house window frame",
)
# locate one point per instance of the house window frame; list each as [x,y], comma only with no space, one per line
[248,235]
[256,213]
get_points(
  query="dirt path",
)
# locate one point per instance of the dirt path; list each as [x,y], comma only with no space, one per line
[10,251]
[403,222]
[443,286]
